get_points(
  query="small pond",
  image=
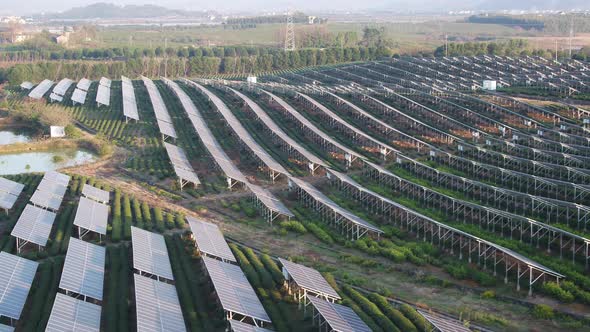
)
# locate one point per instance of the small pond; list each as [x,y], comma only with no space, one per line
[11,137]
[42,161]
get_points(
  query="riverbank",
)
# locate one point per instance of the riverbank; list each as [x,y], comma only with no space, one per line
[99,147]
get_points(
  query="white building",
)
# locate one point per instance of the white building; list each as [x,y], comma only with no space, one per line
[489,85]
[57,131]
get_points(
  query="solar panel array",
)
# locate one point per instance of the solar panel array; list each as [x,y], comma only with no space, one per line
[309,279]
[62,86]
[84,84]
[34,225]
[73,315]
[103,95]
[162,116]
[237,326]
[157,306]
[40,90]
[129,101]
[83,271]
[339,317]
[234,291]
[79,96]
[181,165]
[16,277]
[51,190]
[221,158]
[210,240]
[210,142]
[271,124]
[9,193]
[99,195]
[92,215]
[150,254]
[242,132]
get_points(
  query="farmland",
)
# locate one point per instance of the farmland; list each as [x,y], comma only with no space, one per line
[401,181]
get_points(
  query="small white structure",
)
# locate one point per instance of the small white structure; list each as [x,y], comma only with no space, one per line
[489,85]
[251,79]
[26,85]
[57,131]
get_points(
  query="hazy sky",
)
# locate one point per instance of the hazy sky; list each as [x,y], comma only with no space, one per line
[36,6]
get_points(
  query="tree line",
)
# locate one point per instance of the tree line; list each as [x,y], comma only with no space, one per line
[548,23]
[221,61]
[513,47]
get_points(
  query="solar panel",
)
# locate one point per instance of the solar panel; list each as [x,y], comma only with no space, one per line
[162,116]
[96,194]
[62,86]
[234,291]
[46,200]
[26,85]
[309,279]
[210,240]
[73,315]
[237,326]
[84,84]
[83,271]
[157,306]
[11,187]
[103,95]
[150,254]
[444,324]
[79,96]
[9,192]
[56,97]
[129,101]
[92,215]
[7,200]
[34,225]
[52,188]
[16,277]
[105,82]
[339,317]
[56,177]
[40,90]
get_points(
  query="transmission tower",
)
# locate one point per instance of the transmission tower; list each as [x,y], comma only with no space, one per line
[571,36]
[290,33]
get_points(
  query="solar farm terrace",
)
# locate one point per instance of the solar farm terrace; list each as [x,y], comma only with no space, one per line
[404,194]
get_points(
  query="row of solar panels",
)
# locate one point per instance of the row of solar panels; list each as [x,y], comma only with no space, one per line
[103,94]
[35,222]
[237,296]
[83,271]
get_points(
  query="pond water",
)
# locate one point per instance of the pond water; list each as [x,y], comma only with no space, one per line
[28,162]
[11,137]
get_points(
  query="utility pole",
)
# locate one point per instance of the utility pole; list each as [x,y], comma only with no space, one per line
[571,36]
[555,50]
[446,45]
[290,33]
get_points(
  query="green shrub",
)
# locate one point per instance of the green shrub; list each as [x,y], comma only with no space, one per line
[489,294]
[370,309]
[394,315]
[293,226]
[419,321]
[553,289]
[543,311]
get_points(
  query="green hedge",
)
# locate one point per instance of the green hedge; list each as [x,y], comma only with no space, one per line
[371,309]
[394,315]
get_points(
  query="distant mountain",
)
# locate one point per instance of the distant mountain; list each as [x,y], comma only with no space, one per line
[492,5]
[109,11]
